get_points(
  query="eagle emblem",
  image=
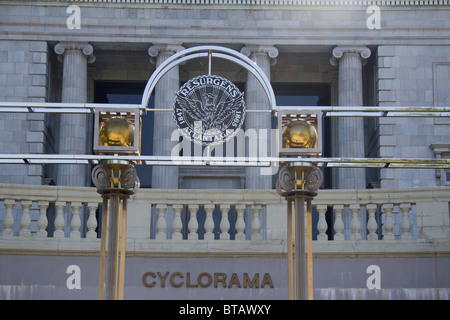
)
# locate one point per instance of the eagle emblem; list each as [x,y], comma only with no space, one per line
[209,109]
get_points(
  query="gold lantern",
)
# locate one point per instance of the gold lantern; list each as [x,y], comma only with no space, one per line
[299,133]
[117,132]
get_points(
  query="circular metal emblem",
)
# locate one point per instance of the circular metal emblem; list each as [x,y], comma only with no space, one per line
[209,110]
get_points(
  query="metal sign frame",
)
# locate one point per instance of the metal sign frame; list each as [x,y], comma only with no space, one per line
[252,67]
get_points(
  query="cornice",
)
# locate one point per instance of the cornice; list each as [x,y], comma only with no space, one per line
[269,3]
[218,249]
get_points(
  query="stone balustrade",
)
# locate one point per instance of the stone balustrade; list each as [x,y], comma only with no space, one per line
[39,212]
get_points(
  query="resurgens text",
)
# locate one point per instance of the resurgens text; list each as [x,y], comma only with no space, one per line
[206,280]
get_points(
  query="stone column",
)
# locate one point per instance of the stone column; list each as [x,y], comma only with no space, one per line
[261,123]
[74,127]
[331,77]
[164,177]
[350,130]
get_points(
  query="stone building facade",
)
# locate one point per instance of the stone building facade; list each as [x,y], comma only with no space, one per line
[315,52]
[401,59]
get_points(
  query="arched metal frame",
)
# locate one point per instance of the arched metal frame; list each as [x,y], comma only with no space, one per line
[208,51]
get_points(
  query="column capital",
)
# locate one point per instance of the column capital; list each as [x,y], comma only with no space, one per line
[168,49]
[340,51]
[62,48]
[270,51]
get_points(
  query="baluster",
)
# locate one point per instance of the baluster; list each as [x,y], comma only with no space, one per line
[75,223]
[177,225]
[322,223]
[25,221]
[388,222]
[59,220]
[209,222]
[256,222]
[371,222]
[240,222]
[92,221]
[224,222]
[338,222]
[161,225]
[193,223]
[42,220]
[406,224]
[355,225]
[8,220]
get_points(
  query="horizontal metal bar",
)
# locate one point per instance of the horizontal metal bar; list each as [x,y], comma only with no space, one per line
[372,111]
[327,111]
[247,110]
[53,107]
[386,114]
[226,161]
[370,108]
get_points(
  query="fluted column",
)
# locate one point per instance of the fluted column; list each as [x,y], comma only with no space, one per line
[350,130]
[74,127]
[256,99]
[164,177]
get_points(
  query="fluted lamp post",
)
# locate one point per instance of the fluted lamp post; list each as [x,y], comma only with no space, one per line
[115,133]
[299,137]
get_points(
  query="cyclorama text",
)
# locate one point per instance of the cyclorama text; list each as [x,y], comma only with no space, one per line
[206,280]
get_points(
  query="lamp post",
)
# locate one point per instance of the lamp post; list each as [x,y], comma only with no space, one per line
[115,133]
[298,183]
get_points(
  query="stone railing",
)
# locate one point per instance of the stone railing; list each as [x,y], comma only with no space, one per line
[29,211]
[39,212]
[385,214]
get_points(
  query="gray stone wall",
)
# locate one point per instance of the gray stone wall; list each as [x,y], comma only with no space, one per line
[412,76]
[48,277]
[23,77]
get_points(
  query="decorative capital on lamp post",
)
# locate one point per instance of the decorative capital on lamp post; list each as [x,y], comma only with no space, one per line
[118,176]
[301,177]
